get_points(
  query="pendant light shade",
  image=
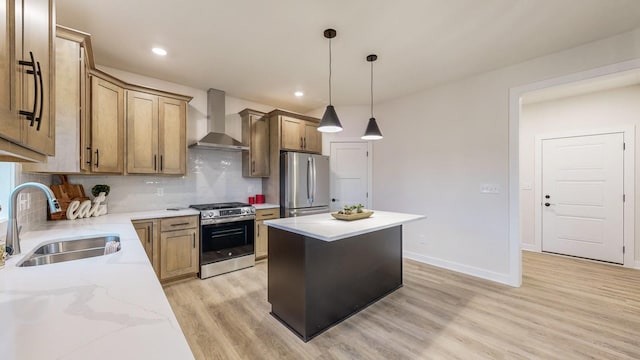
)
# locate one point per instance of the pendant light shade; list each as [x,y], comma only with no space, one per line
[330,122]
[373,131]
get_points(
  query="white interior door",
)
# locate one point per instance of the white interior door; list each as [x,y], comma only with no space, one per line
[582,196]
[349,174]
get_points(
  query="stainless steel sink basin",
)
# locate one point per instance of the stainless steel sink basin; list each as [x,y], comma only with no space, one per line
[73,249]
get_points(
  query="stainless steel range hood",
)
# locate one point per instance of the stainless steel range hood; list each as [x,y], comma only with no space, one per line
[216,139]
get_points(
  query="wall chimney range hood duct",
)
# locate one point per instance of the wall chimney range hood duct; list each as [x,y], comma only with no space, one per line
[216,139]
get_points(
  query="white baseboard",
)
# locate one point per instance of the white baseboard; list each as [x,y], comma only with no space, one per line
[637,265]
[461,268]
[529,247]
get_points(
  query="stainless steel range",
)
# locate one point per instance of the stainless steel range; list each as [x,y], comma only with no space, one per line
[226,237]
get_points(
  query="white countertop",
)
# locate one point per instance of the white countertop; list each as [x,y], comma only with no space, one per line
[265,206]
[325,227]
[106,307]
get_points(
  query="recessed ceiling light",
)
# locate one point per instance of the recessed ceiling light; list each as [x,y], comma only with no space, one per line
[159,51]
[298,93]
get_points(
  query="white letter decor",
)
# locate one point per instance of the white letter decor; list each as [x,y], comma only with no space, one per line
[77,210]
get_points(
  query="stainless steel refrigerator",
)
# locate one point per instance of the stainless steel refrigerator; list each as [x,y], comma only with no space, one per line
[304,184]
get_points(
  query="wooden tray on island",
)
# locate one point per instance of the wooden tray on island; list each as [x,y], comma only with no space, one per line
[355,216]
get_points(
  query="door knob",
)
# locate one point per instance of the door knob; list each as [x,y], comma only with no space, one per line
[333,200]
[547,204]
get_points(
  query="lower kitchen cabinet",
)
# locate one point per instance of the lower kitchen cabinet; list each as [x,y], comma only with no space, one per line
[262,231]
[148,235]
[172,245]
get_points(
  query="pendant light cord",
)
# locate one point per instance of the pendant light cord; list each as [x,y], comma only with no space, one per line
[329,71]
[372,89]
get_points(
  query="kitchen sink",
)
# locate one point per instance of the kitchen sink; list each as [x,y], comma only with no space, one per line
[72,249]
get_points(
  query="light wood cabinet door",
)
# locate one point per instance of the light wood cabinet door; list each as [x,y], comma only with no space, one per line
[38,36]
[86,152]
[27,27]
[107,126]
[179,253]
[148,235]
[262,240]
[172,143]
[255,134]
[259,147]
[10,122]
[262,231]
[142,133]
[291,136]
[312,138]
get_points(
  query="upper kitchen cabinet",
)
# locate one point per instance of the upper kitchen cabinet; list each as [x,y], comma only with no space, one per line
[107,126]
[73,135]
[255,134]
[96,113]
[288,132]
[27,30]
[299,133]
[156,133]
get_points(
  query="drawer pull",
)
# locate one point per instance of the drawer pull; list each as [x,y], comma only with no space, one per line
[180,224]
[270,214]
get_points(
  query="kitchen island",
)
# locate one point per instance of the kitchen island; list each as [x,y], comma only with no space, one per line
[323,270]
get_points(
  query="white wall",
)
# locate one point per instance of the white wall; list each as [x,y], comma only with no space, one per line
[440,144]
[212,176]
[609,109]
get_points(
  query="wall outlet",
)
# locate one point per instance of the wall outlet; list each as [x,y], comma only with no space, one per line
[160,191]
[489,189]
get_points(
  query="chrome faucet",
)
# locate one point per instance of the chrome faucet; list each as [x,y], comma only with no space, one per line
[13,238]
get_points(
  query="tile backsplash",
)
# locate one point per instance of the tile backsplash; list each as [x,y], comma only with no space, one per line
[212,176]
[34,211]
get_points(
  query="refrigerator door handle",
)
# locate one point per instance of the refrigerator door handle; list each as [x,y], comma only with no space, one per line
[309,179]
[313,192]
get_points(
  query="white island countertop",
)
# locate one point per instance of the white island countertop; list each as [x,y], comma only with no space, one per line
[105,307]
[325,227]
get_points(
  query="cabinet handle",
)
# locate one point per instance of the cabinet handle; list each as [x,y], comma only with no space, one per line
[39,118]
[180,224]
[97,158]
[155,162]
[194,240]
[271,214]
[161,162]
[253,166]
[31,115]
[305,143]
[258,230]
[301,143]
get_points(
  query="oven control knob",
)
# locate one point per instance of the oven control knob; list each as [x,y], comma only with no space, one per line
[210,214]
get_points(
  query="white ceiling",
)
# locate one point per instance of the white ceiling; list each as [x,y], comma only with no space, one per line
[265,50]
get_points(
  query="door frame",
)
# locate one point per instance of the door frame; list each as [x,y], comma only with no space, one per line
[369,165]
[628,133]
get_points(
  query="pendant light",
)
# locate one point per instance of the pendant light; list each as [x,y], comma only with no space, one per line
[373,131]
[330,122]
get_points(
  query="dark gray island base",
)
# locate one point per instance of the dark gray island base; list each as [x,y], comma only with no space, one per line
[314,284]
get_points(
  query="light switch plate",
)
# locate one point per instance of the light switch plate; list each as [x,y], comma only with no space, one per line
[489,188]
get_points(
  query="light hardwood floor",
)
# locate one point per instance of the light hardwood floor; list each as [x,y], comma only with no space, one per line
[566,309]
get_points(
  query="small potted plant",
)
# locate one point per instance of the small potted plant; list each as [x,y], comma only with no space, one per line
[101,188]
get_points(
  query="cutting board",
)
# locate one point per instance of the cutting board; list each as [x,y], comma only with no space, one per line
[66,193]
